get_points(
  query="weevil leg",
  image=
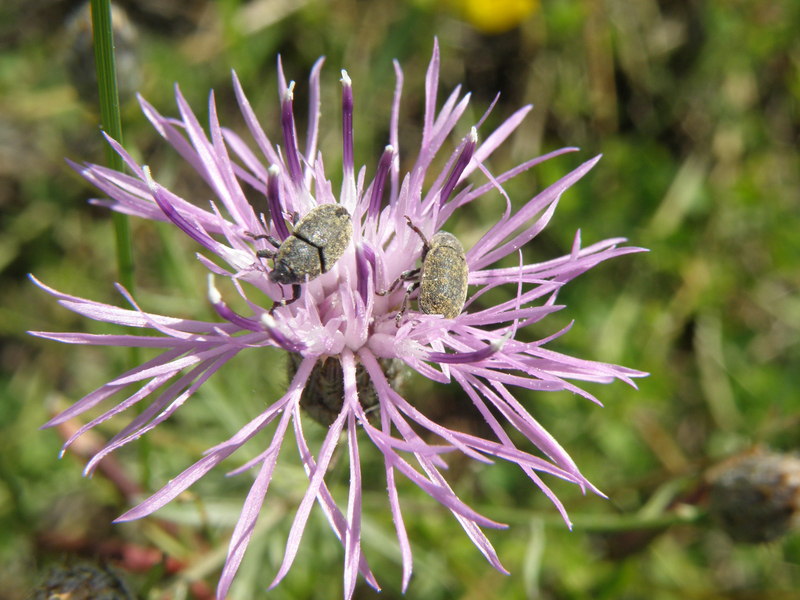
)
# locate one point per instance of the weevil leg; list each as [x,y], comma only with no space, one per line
[425,245]
[296,290]
[265,253]
[295,294]
[404,276]
[371,410]
[263,236]
[404,306]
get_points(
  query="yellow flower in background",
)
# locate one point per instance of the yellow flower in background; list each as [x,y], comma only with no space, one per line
[495,16]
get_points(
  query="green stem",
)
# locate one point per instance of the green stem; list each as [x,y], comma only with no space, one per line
[110,121]
[105,63]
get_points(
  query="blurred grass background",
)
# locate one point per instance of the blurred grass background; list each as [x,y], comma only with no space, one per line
[694,105]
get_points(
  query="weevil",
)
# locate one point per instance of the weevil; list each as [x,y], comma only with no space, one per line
[323,395]
[442,279]
[317,241]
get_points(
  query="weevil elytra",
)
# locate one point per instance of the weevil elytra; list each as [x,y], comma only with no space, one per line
[442,279]
[317,241]
[323,395]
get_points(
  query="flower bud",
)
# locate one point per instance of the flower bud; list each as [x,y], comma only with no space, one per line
[755,497]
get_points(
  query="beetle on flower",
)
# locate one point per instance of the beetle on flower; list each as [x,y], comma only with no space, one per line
[341,320]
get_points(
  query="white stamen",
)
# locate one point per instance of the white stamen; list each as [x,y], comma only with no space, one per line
[213,293]
[498,344]
[289,95]
[148,178]
[268,321]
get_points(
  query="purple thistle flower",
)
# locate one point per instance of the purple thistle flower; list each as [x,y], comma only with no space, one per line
[341,324]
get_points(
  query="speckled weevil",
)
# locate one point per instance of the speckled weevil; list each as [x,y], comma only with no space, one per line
[442,280]
[317,241]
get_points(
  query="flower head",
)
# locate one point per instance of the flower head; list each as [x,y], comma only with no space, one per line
[342,312]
